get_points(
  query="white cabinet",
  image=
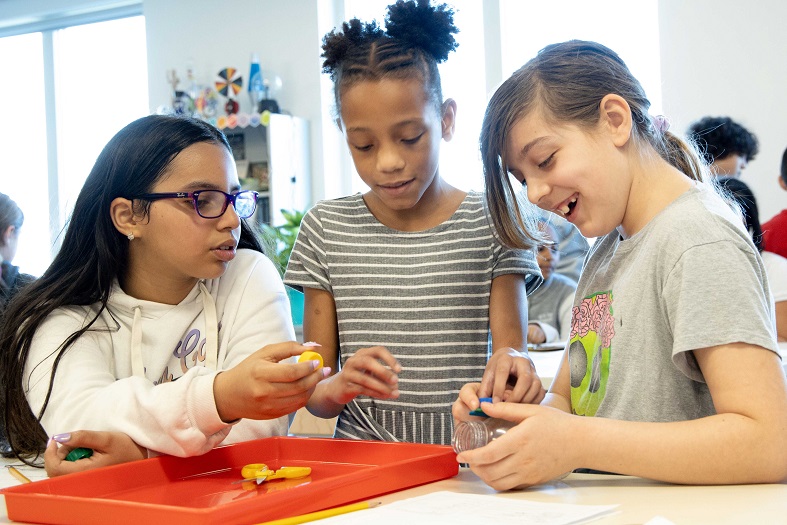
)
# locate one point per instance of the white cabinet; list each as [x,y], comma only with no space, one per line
[274,160]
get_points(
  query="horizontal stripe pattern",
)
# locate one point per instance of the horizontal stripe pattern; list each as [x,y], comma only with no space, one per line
[423,295]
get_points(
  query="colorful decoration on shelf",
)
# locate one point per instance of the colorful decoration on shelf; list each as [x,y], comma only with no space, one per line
[182,103]
[240,120]
[256,88]
[207,102]
[229,82]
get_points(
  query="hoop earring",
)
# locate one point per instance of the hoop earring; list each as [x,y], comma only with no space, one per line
[130,236]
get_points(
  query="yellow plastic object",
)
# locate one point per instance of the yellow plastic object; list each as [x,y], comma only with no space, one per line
[260,472]
[309,355]
[251,471]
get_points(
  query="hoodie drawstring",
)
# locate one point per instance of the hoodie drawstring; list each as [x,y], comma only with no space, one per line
[211,329]
[212,357]
[137,366]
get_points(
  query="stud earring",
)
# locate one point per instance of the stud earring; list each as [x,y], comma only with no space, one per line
[130,236]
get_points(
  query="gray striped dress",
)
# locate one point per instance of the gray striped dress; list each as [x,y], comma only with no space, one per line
[423,295]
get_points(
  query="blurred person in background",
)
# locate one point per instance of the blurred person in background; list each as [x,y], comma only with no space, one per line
[11,280]
[726,146]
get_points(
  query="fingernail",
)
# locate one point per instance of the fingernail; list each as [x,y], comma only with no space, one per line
[395,393]
[315,363]
[326,371]
[311,343]
[62,438]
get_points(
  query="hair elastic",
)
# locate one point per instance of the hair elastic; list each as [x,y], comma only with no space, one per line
[661,123]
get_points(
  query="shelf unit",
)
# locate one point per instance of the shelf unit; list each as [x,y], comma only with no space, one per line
[280,142]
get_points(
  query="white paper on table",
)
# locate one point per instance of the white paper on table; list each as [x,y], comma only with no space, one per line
[453,508]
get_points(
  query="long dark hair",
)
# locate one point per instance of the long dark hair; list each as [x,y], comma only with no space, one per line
[567,82]
[92,256]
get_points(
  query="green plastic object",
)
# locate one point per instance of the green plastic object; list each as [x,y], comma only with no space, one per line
[79,453]
[478,411]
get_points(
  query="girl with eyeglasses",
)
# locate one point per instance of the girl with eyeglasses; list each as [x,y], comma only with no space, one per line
[160,319]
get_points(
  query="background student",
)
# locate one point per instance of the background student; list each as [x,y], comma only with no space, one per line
[11,279]
[403,283]
[775,265]
[572,248]
[549,307]
[160,317]
[726,146]
[673,346]
[774,231]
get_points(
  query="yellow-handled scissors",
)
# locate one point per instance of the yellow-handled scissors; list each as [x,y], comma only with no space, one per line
[260,472]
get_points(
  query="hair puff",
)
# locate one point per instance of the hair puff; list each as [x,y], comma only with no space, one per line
[337,44]
[421,25]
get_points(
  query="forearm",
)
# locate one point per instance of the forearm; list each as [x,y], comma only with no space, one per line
[719,449]
[508,313]
[557,401]
[177,418]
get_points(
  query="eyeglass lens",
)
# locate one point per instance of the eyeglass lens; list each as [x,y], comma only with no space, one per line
[212,203]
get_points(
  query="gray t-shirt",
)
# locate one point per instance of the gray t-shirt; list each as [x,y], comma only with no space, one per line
[551,305]
[690,279]
[423,295]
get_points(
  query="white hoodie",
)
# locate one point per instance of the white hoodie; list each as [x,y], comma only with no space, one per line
[147,369]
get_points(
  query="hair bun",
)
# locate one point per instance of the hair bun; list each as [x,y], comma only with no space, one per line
[337,44]
[421,25]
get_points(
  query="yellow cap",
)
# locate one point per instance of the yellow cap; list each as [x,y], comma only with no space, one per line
[311,356]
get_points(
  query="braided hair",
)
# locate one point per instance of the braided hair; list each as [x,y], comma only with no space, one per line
[417,37]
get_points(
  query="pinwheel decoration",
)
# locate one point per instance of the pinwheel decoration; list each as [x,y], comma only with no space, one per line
[229,82]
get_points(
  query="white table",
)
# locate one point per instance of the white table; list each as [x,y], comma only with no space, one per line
[639,500]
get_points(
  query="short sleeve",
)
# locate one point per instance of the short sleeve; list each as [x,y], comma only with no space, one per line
[523,262]
[710,304]
[308,266]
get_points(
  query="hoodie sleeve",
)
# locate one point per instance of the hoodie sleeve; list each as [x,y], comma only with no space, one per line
[257,313]
[168,418]
[177,417]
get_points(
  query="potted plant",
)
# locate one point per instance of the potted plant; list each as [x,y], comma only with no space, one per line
[283,236]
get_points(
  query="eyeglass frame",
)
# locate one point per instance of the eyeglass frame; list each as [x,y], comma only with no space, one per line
[229,198]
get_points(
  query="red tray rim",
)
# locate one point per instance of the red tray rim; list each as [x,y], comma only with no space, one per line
[421,463]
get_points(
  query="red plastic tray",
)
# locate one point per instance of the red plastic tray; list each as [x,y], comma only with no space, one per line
[200,490]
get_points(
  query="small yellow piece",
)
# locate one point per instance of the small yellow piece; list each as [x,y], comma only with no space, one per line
[311,356]
[254,470]
[291,473]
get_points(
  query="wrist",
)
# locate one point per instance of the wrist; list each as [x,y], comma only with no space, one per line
[220,385]
[322,402]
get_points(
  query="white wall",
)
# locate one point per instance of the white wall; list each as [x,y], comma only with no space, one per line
[212,35]
[726,57]
[719,57]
